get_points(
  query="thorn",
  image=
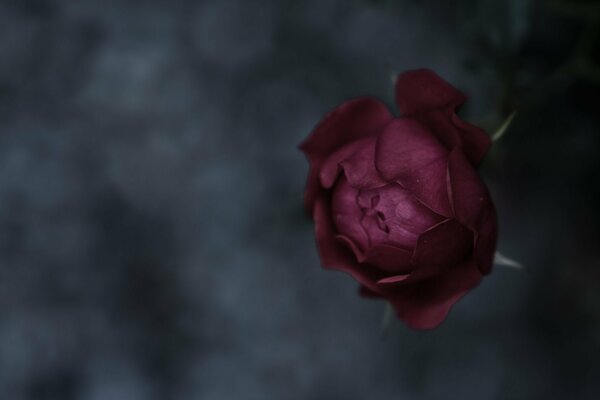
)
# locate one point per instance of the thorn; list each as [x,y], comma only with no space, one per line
[504,261]
[393,75]
[500,132]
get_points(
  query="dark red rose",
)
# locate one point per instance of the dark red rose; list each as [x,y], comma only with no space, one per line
[397,202]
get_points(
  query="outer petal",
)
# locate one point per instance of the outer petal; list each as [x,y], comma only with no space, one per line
[423,89]
[485,240]
[473,207]
[425,305]
[335,255]
[360,169]
[453,132]
[468,193]
[384,259]
[312,189]
[475,142]
[331,167]
[390,259]
[445,244]
[353,120]
[408,153]
[423,95]
[393,279]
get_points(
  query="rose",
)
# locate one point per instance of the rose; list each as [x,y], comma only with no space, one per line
[397,202]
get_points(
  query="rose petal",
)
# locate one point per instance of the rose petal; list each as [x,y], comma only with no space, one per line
[468,194]
[312,189]
[359,253]
[453,132]
[485,240]
[390,259]
[408,153]
[393,279]
[443,245]
[350,121]
[331,167]
[473,207]
[360,169]
[353,120]
[334,255]
[425,304]
[423,89]
[475,142]
[425,96]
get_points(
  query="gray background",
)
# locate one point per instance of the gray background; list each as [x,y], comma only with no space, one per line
[152,240]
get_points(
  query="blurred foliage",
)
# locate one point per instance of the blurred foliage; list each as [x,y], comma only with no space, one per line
[587,9]
[500,24]
[498,32]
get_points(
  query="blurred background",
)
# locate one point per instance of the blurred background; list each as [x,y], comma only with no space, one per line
[152,239]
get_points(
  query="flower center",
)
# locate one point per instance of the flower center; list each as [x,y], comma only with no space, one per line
[372,212]
[383,216]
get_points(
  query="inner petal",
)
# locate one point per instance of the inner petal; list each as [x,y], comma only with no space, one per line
[347,215]
[385,216]
[396,218]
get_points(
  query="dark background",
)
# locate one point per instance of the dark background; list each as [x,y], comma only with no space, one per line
[152,240]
